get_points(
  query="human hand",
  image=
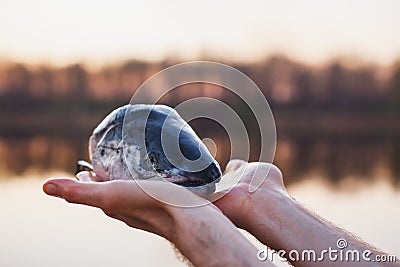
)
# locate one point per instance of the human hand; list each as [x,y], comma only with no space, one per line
[201,233]
[241,205]
[122,200]
[279,221]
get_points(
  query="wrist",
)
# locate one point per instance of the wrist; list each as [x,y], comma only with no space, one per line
[184,218]
[207,238]
[266,215]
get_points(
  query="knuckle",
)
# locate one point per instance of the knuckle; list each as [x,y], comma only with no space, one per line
[264,168]
[69,194]
[275,171]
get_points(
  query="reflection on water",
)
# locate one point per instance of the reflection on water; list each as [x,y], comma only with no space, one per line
[331,157]
[43,153]
[37,230]
[337,158]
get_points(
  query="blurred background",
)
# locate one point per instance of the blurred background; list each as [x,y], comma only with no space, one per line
[330,71]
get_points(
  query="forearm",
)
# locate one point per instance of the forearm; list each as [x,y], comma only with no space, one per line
[207,238]
[283,224]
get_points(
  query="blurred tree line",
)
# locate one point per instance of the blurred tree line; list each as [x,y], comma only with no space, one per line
[335,85]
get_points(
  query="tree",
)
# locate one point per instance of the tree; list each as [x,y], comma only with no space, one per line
[77,81]
[395,89]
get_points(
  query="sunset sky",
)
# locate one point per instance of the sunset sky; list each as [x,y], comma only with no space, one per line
[98,32]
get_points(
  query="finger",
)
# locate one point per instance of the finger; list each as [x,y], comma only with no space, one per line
[73,191]
[85,176]
[234,164]
[263,171]
[235,174]
[113,196]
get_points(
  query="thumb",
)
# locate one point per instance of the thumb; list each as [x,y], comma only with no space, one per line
[234,164]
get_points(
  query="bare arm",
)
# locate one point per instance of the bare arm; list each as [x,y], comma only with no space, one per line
[282,223]
[209,239]
[202,234]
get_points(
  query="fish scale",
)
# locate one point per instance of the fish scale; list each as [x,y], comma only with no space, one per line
[128,144]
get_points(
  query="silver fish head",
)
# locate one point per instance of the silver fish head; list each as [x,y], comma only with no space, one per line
[152,142]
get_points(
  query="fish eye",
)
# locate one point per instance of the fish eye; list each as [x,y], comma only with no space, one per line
[153,160]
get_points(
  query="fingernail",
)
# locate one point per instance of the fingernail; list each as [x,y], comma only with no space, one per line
[51,189]
[83,176]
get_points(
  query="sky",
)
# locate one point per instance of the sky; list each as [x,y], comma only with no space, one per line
[99,32]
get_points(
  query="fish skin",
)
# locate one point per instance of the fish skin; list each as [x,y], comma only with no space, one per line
[121,152]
